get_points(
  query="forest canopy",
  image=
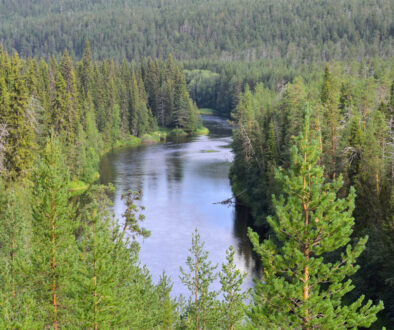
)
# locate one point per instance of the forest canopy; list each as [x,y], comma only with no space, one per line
[302,31]
[309,89]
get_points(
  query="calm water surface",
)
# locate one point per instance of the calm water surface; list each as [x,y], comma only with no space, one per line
[182,182]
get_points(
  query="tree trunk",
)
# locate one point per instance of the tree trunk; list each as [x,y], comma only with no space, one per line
[95,277]
[54,303]
[305,205]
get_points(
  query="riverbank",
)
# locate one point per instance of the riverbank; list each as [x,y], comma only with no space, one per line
[77,187]
[207,111]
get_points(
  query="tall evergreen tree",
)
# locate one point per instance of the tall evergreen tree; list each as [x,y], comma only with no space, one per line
[59,106]
[299,287]
[86,70]
[330,100]
[53,242]
[13,106]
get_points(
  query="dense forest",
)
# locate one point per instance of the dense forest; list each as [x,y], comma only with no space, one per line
[353,114]
[89,105]
[301,31]
[309,89]
[67,263]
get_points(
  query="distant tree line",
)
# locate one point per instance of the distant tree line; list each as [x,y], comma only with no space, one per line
[300,31]
[218,84]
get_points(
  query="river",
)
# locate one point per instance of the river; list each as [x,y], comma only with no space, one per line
[182,183]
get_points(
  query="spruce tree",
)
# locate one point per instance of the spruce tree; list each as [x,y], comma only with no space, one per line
[115,122]
[299,287]
[354,148]
[133,104]
[59,106]
[86,71]
[331,112]
[13,107]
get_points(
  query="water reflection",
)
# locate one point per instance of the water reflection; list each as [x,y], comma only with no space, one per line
[181,182]
[242,221]
[174,163]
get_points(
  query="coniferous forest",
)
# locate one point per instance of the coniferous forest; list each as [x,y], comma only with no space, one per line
[308,87]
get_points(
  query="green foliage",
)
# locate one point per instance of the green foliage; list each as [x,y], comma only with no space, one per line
[109,279]
[349,102]
[203,310]
[16,301]
[299,31]
[53,243]
[232,307]
[92,107]
[132,215]
[19,143]
[300,288]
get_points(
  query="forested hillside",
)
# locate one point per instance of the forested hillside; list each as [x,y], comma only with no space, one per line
[298,30]
[309,88]
[65,261]
[352,117]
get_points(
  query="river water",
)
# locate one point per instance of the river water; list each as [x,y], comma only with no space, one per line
[182,183]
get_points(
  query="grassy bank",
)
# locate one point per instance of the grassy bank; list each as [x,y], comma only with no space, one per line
[202,131]
[206,111]
[78,187]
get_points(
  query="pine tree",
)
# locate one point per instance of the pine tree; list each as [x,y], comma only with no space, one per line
[233,306]
[98,272]
[166,305]
[202,310]
[53,241]
[16,304]
[299,287]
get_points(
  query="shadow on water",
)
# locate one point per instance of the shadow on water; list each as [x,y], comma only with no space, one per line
[242,221]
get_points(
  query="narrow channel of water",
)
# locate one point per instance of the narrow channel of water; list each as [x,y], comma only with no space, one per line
[182,182]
